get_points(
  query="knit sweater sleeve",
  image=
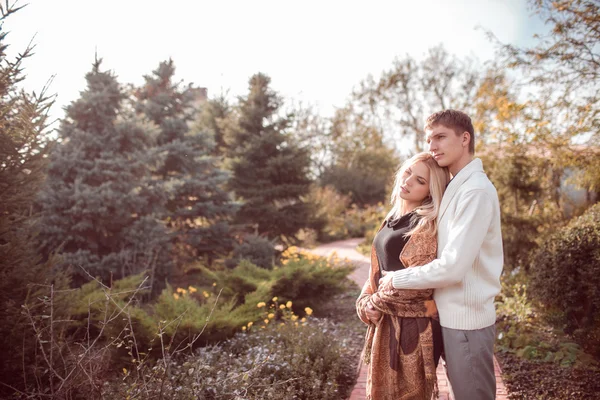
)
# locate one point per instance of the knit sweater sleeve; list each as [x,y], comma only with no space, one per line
[468,230]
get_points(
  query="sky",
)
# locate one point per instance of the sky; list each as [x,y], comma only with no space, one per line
[315,52]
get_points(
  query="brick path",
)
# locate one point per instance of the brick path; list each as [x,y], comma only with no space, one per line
[347,249]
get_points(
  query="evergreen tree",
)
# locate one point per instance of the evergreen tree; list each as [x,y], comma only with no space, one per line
[197,206]
[269,169]
[212,117]
[24,145]
[96,205]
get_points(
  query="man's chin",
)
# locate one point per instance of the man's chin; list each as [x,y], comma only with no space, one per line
[441,162]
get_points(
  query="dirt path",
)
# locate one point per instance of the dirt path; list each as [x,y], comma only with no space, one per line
[347,249]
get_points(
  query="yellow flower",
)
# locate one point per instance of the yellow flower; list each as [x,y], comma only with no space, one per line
[282,306]
[181,290]
[302,320]
[294,317]
[250,324]
[281,324]
[271,316]
[205,294]
[274,299]
[243,328]
[261,304]
[266,321]
[192,289]
[214,283]
[295,323]
[308,311]
[175,296]
[288,304]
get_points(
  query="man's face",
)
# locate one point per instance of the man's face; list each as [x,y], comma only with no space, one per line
[445,145]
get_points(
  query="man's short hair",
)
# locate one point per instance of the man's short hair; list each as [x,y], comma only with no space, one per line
[455,120]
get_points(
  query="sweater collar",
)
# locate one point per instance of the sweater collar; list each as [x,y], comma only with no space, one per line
[461,177]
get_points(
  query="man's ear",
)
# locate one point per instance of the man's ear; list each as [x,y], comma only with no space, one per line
[466,139]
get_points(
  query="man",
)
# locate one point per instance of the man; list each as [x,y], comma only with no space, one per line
[466,274]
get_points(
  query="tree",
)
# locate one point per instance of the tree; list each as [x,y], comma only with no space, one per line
[407,93]
[516,160]
[96,205]
[24,146]
[269,171]
[197,206]
[212,116]
[361,165]
[562,74]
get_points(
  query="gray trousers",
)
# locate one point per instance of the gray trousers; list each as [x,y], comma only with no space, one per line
[469,357]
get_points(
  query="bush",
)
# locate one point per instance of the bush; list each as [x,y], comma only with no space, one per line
[307,279]
[256,249]
[565,278]
[280,361]
[93,329]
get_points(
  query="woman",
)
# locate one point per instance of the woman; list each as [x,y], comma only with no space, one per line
[404,342]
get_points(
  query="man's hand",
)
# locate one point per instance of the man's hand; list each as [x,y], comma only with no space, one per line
[372,314]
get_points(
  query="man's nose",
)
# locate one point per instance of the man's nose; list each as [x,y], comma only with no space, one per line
[432,146]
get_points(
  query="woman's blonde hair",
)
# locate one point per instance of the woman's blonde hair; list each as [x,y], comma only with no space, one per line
[427,212]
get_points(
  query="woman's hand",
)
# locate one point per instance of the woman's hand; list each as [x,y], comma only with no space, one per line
[372,314]
[386,278]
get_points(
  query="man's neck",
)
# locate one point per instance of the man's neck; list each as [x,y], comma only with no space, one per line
[460,164]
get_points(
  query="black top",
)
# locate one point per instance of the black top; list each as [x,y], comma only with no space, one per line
[390,241]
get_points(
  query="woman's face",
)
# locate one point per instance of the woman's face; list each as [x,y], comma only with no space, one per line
[414,185]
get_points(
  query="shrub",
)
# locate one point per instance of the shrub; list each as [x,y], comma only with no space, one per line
[329,207]
[279,362]
[307,279]
[565,277]
[256,249]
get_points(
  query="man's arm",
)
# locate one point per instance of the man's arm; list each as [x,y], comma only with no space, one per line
[469,228]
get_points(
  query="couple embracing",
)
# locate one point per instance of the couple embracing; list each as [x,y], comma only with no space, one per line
[435,271]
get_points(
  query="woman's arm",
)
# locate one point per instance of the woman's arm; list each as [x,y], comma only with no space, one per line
[362,302]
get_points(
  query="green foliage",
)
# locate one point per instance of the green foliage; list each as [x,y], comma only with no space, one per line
[258,250]
[222,302]
[269,170]
[212,116]
[329,207]
[24,147]
[527,195]
[308,280]
[565,277]
[521,331]
[362,165]
[97,205]
[372,225]
[185,173]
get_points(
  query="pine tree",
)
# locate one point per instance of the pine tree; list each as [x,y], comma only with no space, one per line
[24,145]
[197,206]
[96,204]
[270,172]
[211,119]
